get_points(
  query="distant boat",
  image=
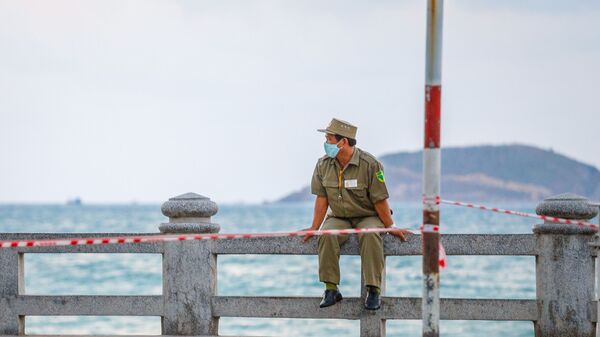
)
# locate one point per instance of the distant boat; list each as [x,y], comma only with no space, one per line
[75,201]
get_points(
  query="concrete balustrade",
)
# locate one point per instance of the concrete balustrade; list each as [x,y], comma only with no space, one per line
[565,305]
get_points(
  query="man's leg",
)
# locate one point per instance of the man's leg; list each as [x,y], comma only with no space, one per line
[371,251]
[329,250]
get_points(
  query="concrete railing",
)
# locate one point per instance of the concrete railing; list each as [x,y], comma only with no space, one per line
[189,305]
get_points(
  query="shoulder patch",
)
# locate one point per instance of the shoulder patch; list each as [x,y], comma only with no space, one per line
[380,176]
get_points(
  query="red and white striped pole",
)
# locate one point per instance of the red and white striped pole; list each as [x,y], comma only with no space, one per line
[432,171]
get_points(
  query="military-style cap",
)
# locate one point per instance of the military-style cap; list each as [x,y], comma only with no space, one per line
[340,127]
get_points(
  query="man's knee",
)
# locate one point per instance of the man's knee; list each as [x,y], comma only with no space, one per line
[327,240]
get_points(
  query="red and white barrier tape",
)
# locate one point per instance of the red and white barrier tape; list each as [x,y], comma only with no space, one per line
[442,257]
[523,214]
[182,237]
[441,251]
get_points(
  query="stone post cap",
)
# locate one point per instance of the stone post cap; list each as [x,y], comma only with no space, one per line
[568,206]
[189,205]
[189,213]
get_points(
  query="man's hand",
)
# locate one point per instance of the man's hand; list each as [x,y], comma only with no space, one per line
[307,236]
[321,205]
[401,233]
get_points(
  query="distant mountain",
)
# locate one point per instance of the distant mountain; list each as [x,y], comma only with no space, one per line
[487,173]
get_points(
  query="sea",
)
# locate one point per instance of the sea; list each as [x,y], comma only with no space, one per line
[477,277]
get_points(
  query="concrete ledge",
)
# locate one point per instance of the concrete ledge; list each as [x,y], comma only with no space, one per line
[392,308]
[465,309]
[489,244]
[33,305]
[41,236]
[125,248]
[455,244]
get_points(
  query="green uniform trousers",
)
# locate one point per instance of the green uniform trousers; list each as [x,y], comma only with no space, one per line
[371,249]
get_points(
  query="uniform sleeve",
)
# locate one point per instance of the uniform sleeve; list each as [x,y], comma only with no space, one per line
[377,188]
[316,185]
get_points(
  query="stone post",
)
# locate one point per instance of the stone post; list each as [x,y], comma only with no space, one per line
[11,286]
[371,322]
[596,246]
[564,269]
[189,268]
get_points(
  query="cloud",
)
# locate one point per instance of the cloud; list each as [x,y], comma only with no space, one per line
[121,100]
[532,6]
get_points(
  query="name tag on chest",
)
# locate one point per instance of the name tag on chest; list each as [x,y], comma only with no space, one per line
[350,183]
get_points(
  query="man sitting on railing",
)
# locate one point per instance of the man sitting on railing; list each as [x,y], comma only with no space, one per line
[351,183]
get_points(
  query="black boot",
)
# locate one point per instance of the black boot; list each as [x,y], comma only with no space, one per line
[330,297]
[372,302]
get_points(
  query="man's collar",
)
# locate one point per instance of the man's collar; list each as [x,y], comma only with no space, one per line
[354,160]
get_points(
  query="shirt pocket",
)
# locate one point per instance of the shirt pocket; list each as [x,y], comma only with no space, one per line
[332,189]
[359,195]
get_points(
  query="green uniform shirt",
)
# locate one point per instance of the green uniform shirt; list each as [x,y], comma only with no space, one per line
[350,191]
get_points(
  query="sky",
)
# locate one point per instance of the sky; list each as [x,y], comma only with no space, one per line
[140,101]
